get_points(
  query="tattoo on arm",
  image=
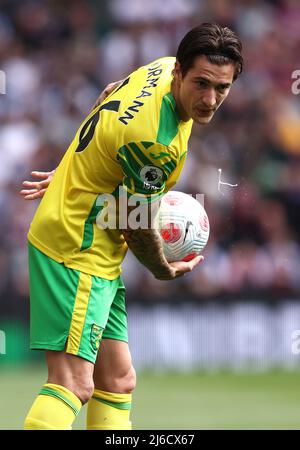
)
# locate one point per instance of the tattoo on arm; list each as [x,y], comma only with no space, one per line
[146,246]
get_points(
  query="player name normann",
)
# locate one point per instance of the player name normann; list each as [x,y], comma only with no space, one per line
[153,76]
[121,440]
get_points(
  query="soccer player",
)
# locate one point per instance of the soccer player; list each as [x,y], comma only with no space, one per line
[136,139]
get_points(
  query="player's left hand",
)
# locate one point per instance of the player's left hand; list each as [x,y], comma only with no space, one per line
[179,268]
[183,267]
[36,189]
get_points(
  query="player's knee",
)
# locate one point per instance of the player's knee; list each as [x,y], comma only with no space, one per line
[83,389]
[131,382]
[126,384]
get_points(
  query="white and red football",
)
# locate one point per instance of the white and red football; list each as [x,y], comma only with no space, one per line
[183,226]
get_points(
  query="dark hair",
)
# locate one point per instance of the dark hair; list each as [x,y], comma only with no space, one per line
[219,44]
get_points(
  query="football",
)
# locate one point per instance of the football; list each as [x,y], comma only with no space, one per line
[183,226]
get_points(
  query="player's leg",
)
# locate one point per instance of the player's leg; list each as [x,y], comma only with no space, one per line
[114,379]
[114,375]
[113,370]
[69,310]
[69,386]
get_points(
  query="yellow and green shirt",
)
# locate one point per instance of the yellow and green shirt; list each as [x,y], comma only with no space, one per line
[134,139]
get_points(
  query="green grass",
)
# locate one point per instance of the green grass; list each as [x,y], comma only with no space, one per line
[180,401]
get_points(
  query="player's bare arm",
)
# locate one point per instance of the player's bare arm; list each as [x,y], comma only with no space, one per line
[147,247]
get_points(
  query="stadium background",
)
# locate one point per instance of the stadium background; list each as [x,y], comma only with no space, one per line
[214,349]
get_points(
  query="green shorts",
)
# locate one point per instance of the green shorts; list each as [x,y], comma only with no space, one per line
[72,310]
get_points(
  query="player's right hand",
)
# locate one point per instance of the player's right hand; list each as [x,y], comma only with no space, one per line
[179,268]
[36,189]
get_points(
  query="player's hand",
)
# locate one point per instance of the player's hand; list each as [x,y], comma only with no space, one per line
[179,268]
[105,93]
[36,189]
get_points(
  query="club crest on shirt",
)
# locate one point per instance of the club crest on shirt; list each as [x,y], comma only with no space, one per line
[96,335]
[151,174]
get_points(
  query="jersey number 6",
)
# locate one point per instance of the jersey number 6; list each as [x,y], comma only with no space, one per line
[90,125]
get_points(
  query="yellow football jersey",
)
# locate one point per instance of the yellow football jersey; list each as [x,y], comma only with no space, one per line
[134,139]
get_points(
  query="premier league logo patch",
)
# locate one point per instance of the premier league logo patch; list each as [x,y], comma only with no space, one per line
[151,174]
[96,335]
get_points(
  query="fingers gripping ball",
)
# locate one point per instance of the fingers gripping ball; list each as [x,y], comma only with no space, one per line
[183,226]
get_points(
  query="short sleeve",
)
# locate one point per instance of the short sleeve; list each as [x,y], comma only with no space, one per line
[146,167]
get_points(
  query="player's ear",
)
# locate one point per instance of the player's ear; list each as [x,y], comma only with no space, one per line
[177,71]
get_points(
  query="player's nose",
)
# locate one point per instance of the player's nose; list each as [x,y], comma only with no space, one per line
[209,98]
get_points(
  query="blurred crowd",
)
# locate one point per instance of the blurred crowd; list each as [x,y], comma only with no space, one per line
[58,55]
